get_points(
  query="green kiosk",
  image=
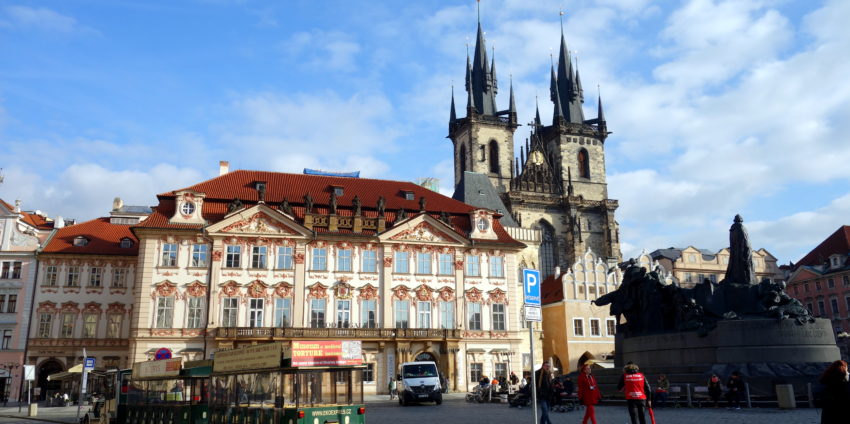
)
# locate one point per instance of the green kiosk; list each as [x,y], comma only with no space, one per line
[167,392]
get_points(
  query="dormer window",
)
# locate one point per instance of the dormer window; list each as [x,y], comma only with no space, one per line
[126,243]
[80,241]
[408,195]
[260,185]
[187,208]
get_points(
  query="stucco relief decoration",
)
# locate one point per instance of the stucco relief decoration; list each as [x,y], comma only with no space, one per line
[473,295]
[92,308]
[258,223]
[298,257]
[283,290]
[230,288]
[342,290]
[401,293]
[318,244]
[497,296]
[257,289]
[424,293]
[388,261]
[196,289]
[115,308]
[317,291]
[164,289]
[285,242]
[71,307]
[47,307]
[446,294]
[368,292]
[459,265]
[421,232]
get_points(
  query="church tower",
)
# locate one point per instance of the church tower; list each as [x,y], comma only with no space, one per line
[483,140]
[557,184]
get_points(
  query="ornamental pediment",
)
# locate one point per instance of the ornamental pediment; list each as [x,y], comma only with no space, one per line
[258,224]
[259,220]
[424,229]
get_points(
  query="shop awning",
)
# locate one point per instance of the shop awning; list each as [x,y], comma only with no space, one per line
[474,350]
[66,375]
[499,351]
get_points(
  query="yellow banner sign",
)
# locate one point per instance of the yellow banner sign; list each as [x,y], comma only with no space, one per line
[161,368]
[248,358]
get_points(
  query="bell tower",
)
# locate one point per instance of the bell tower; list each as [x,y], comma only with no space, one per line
[483,140]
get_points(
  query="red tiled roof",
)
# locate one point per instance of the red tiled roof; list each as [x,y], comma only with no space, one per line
[220,191]
[104,239]
[32,219]
[838,242]
[552,290]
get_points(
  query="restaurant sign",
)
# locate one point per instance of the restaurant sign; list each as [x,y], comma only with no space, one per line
[163,368]
[256,357]
[326,353]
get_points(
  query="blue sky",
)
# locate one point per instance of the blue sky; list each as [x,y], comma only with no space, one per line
[717,107]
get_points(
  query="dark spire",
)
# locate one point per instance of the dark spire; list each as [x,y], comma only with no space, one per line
[470,101]
[578,83]
[482,84]
[537,122]
[495,85]
[568,89]
[452,113]
[512,107]
[556,98]
[600,115]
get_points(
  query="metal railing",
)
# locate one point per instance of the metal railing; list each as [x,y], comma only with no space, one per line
[336,333]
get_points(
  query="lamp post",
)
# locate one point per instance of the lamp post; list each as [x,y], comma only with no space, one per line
[9,367]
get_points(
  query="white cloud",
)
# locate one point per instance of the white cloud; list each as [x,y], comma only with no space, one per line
[41,18]
[330,50]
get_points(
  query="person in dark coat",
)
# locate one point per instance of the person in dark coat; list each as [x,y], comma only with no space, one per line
[544,391]
[835,395]
[735,390]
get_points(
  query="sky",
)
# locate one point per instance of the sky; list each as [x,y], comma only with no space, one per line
[716,107]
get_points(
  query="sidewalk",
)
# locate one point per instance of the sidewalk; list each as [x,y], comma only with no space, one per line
[56,414]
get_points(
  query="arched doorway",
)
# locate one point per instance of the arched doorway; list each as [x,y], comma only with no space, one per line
[48,367]
[584,358]
[426,356]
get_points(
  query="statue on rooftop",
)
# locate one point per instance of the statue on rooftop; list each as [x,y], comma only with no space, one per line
[332,203]
[308,203]
[234,206]
[382,203]
[286,207]
[357,206]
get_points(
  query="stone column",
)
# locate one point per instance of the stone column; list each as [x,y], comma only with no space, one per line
[299,318]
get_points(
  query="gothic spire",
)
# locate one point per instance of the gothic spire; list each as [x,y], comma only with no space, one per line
[556,98]
[568,88]
[537,122]
[600,115]
[482,84]
[512,106]
[493,70]
[578,84]
[452,113]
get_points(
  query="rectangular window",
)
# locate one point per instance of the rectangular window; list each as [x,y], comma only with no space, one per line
[51,276]
[317,313]
[282,312]
[230,312]
[73,276]
[199,255]
[475,372]
[369,373]
[402,313]
[833,303]
[16,270]
[610,327]
[255,312]
[817,285]
[806,287]
[343,313]
[169,254]
[474,316]
[578,327]
[713,278]
[113,326]
[594,327]
[500,370]
[847,302]
[423,263]
[7,267]
[499,317]
[11,270]
[446,264]
[402,263]
[423,312]
[7,339]
[12,304]
[164,312]
[284,257]
[447,315]
[821,308]
[497,266]
[320,259]
[810,308]
[830,283]
[95,276]
[368,313]
[45,324]
[473,267]
[845,280]
[68,325]
[370,261]
[194,318]
[343,260]
[233,258]
[119,277]
[89,326]
[258,257]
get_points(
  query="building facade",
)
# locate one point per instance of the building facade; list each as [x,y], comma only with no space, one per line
[557,184]
[21,234]
[252,257]
[690,266]
[821,281]
[83,297]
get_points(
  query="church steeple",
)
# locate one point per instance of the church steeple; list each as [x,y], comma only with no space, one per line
[569,90]
[452,113]
[512,105]
[482,84]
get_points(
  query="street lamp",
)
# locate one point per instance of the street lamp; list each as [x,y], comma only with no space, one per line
[8,366]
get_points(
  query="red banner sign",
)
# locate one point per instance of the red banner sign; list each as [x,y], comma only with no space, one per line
[326,353]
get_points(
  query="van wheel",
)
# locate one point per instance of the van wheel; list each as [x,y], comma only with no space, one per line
[439,400]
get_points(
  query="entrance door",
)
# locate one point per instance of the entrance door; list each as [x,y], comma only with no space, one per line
[46,368]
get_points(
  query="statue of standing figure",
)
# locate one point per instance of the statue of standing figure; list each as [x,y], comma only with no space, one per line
[740,269]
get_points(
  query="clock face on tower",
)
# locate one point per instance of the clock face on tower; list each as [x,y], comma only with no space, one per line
[536,157]
[482,224]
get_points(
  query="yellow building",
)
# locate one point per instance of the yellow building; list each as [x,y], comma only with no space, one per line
[690,265]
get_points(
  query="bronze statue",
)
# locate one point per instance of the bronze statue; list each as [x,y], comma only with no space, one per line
[261,193]
[381,204]
[740,269]
[402,215]
[357,206]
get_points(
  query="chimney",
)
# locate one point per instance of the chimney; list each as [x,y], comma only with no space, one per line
[58,222]
[17,206]
[117,204]
[223,167]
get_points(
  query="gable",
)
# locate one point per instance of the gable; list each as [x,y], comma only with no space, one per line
[423,229]
[259,219]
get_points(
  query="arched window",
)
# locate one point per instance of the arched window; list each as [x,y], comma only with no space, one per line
[494,157]
[548,249]
[583,164]
[462,158]
[483,151]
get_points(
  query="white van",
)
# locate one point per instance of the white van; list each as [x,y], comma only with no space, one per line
[419,382]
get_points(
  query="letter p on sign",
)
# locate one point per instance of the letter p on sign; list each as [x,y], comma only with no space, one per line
[531,285]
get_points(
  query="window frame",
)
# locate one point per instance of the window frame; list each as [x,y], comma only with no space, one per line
[319,259]
[119,275]
[76,277]
[256,312]
[51,276]
[423,263]
[447,314]
[230,312]
[344,260]
[449,264]
[343,315]
[164,309]
[110,325]
[474,321]
[578,327]
[195,312]
[89,327]
[45,327]
[282,312]
[284,257]
[200,256]
[259,257]
[497,266]
[318,316]
[476,371]
[423,314]
[473,266]
[598,323]
[610,327]
[370,257]
[401,262]
[401,314]
[96,271]
[66,328]
[169,255]
[499,321]
[367,321]
[233,256]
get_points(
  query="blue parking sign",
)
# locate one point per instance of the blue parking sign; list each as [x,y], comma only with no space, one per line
[89,363]
[531,286]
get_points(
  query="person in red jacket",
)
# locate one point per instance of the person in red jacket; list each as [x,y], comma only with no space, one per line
[634,384]
[588,393]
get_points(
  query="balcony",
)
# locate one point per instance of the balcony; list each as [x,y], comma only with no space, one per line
[271,333]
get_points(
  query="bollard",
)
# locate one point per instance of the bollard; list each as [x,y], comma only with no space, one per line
[809,394]
[747,391]
[688,388]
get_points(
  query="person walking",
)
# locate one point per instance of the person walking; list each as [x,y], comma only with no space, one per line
[544,391]
[392,388]
[714,389]
[735,390]
[588,394]
[835,394]
[634,384]
[662,390]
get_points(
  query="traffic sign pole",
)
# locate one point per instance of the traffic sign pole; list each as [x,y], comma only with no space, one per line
[531,302]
